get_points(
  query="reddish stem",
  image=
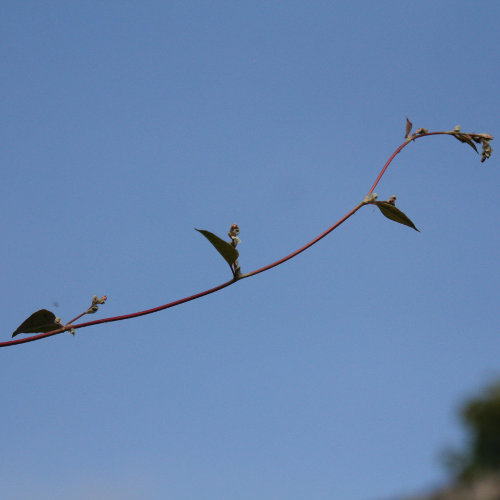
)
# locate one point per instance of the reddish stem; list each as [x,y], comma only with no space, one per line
[119,318]
[307,245]
[74,319]
[382,172]
[69,326]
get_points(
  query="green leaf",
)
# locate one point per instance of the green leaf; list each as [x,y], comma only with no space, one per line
[393,213]
[41,321]
[227,250]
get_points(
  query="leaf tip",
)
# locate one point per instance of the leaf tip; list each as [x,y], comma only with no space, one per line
[389,210]
[225,249]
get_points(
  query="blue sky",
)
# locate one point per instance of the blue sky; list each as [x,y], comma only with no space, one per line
[336,375]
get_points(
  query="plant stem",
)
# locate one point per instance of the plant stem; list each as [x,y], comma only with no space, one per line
[236,278]
[306,246]
[74,319]
[389,161]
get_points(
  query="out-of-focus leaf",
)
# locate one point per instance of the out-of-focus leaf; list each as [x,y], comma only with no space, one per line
[227,250]
[41,321]
[481,137]
[465,138]
[393,213]
[409,125]
[421,131]
[484,140]
[487,150]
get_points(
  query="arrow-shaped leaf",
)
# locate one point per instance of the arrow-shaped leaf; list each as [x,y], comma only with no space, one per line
[41,321]
[227,250]
[393,213]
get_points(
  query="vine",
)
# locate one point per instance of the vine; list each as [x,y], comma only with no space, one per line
[45,324]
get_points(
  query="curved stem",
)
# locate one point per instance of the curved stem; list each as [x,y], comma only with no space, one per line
[389,161]
[306,246]
[235,278]
[119,318]
[186,299]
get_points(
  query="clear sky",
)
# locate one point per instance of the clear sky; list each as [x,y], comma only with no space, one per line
[334,376]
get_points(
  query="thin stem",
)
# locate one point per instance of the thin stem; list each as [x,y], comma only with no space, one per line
[186,299]
[119,318]
[389,161]
[70,326]
[236,277]
[78,317]
[306,246]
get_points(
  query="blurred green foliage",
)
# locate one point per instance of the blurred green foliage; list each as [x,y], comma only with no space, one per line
[481,417]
